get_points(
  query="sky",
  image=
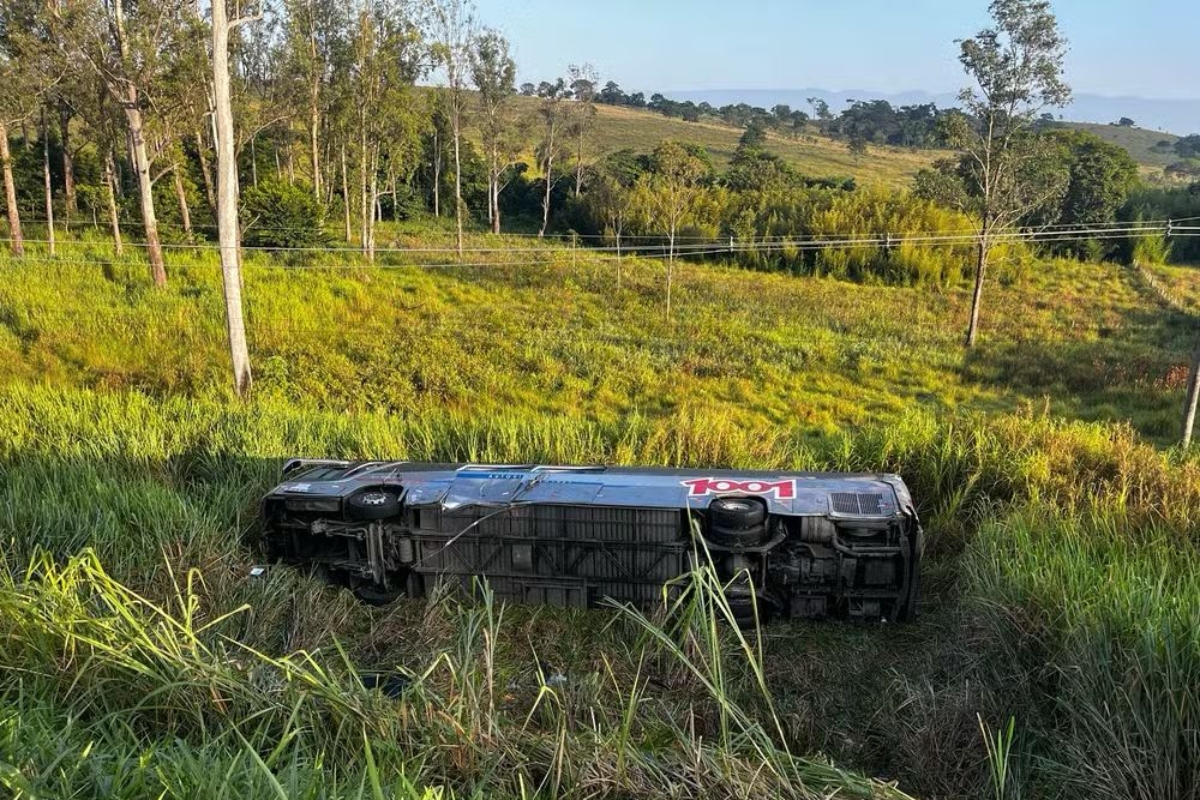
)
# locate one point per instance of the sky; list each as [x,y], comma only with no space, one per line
[1142,48]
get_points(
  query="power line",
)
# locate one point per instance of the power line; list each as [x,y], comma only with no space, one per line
[597,256]
[719,243]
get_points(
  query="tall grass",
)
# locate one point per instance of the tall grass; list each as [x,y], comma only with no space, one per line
[110,667]
[1107,619]
[157,488]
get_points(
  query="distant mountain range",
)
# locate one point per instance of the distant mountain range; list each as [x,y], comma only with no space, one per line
[1179,116]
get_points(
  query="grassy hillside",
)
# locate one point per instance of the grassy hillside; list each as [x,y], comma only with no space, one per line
[1062,569]
[618,128]
[538,327]
[1139,142]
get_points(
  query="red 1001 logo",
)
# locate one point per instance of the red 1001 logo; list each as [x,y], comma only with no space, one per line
[782,490]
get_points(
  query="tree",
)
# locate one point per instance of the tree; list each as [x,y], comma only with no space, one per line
[671,190]
[494,74]
[134,47]
[454,26]
[227,196]
[550,148]
[26,72]
[583,116]
[385,65]
[820,109]
[609,202]
[754,138]
[1017,67]
[1101,175]
[1191,399]
[315,33]
[857,145]
[611,95]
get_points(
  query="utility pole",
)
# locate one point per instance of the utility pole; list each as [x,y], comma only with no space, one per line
[227,198]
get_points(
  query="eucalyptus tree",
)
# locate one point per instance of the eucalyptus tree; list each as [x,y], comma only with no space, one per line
[669,194]
[387,59]
[552,116]
[136,48]
[454,32]
[1017,67]
[316,34]
[502,129]
[227,191]
[582,83]
[28,70]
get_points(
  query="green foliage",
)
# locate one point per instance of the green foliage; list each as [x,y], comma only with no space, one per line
[1166,203]
[1101,177]
[283,215]
[1148,250]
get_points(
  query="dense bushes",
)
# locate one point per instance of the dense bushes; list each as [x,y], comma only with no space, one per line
[281,215]
[1163,203]
[772,228]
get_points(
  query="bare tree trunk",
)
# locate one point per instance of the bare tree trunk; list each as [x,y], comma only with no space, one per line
[185,213]
[579,160]
[490,195]
[68,160]
[373,198]
[131,104]
[437,176]
[205,173]
[496,205]
[364,207]
[346,194]
[141,165]
[313,134]
[1193,394]
[458,201]
[253,163]
[546,197]
[670,267]
[314,107]
[10,195]
[977,296]
[114,218]
[46,179]
[227,203]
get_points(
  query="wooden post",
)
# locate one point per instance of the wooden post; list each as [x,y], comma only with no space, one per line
[1193,394]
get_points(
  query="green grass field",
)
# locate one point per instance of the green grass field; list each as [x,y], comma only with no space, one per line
[143,660]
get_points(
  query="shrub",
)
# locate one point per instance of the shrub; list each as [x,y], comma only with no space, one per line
[282,215]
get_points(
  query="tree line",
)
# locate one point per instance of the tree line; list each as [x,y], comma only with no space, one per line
[862,121]
[112,109]
[108,110]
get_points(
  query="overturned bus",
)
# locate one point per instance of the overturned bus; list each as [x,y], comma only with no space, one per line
[788,544]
